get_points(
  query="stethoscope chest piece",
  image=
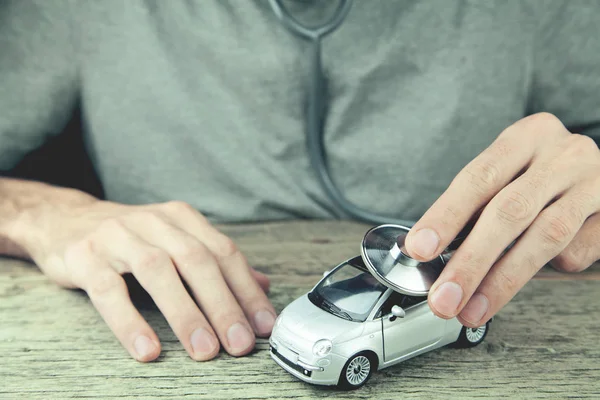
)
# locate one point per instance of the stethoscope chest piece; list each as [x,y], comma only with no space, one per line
[383,253]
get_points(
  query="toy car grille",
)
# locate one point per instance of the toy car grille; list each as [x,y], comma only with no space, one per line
[290,364]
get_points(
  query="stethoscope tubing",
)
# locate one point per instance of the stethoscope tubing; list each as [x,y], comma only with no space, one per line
[316,111]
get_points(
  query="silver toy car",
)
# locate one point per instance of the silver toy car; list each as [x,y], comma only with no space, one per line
[350,325]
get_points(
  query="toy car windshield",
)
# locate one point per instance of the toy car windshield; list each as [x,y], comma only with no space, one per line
[348,292]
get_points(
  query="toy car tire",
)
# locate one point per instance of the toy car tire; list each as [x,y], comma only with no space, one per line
[357,371]
[470,337]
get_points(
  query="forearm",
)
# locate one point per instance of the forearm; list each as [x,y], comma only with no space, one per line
[23,207]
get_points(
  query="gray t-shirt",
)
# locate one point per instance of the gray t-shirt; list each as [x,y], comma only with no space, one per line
[203,100]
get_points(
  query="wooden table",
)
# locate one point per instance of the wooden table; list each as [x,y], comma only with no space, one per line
[544,344]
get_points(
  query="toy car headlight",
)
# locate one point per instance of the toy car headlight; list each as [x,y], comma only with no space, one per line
[322,347]
[277,322]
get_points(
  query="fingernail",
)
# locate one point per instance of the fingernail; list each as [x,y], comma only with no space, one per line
[239,337]
[203,343]
[144,347]
[446,298]
[475,309]
[425,242]
[264,321]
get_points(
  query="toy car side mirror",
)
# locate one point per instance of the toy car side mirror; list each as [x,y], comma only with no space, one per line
[397,312]
[325,273]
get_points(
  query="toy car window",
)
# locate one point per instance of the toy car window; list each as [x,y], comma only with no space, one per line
[408,301]
[348,292]
[398,299]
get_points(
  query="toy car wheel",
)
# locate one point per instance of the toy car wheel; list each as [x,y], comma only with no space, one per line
[357,371]
[470,337]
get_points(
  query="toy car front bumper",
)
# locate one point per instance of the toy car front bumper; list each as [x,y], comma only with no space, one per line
[326,374]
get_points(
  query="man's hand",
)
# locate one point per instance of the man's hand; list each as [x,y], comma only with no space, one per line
[537,185]
[90,245]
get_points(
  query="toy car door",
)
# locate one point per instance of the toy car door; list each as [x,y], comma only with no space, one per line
[419,328]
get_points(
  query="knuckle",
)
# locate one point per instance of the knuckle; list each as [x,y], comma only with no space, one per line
[584,202]
[529,265]
[483,175]
[223,310]
[545,118]
[555,230]
[77,256]
[580,145]
[111,225]
[103,284]
[515,208]
[452,216]
[178,207]
[571,260]
[224,247]
[576,209]
[192,254]
[147,216]
[256,300]
[509,284]
[538,126]
[152,260]
[541,177]
[589,194]
[78,251]
[541,125]
[470,271]
[227,315]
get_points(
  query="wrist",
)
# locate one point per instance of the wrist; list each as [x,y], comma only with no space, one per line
[31,213]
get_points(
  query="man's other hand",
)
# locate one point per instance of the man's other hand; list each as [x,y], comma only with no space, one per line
[92,245]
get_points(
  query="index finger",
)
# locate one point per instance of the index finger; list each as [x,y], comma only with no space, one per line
[474,186]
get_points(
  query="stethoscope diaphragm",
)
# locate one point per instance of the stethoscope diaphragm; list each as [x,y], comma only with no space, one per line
[383,253]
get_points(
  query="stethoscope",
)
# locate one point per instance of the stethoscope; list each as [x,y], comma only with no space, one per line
[382,248]
[316,109]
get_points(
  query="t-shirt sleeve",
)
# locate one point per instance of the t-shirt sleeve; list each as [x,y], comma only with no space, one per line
[566,78]
[38,74]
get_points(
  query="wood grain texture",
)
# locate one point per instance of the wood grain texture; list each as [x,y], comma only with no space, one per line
[53,345]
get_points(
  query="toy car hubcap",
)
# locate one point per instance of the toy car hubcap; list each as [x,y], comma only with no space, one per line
[358,370]
[475,334]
